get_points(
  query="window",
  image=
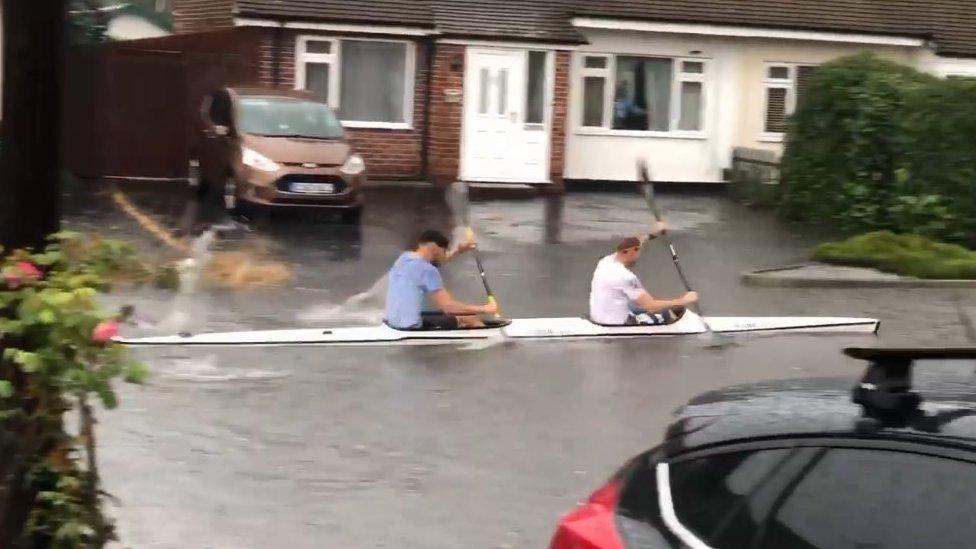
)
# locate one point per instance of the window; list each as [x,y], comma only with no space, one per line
[819,498]
[367,82]
[643,94]
[535,88]
[281,116]
[852,498]
[784,87]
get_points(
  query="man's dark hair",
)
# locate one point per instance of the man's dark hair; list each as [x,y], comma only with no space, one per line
[629,243]
[431,235]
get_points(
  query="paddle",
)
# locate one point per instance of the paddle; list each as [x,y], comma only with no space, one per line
[457,201]
[648,190]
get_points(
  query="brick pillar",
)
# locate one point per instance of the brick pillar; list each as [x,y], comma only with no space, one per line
[560,100]
[444,145]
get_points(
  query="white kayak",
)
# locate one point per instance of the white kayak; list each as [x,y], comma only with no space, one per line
[518,329]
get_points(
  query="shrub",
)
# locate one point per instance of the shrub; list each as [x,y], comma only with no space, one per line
[906,254]
[57,353]
[845,143]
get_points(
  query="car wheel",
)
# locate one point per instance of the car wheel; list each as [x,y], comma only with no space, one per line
[352,217]
[231,202]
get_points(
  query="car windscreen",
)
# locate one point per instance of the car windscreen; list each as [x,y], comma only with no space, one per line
[826,497]
[284,116]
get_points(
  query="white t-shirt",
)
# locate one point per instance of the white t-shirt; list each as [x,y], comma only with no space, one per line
[613,288]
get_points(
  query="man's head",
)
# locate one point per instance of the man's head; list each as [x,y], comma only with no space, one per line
[432,245]
[629,250]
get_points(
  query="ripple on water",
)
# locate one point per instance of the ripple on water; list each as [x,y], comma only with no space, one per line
[207,369]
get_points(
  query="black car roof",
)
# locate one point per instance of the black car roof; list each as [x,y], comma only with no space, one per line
[822,407]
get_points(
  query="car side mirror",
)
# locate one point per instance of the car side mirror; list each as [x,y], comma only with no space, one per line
[222,131]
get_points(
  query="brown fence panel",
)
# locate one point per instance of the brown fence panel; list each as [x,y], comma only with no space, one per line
[131,108]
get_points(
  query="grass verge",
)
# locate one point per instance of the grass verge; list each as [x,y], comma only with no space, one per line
[904,254]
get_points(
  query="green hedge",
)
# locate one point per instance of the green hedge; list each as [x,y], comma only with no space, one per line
[875,145]
[909,255]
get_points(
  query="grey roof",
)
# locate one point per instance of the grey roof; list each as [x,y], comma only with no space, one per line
[951,23]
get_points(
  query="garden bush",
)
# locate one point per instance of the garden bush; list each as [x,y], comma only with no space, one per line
[875,145]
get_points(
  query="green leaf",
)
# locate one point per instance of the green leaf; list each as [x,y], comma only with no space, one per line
[29,362]
[47,316]
[6,389]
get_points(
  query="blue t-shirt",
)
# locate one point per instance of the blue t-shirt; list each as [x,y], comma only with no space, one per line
[411,279]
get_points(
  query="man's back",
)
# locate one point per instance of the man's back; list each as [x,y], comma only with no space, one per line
[612,289]
[411,279]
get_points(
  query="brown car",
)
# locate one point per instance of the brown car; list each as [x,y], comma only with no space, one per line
[278,149]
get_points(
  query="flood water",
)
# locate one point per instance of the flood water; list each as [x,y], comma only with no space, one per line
[440,447]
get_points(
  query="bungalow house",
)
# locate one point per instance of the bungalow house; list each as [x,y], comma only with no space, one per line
[538,91]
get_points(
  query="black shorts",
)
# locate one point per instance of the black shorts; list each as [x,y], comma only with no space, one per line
[433,320]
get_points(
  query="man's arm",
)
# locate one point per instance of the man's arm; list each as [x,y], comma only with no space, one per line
[448,305]
[652,305]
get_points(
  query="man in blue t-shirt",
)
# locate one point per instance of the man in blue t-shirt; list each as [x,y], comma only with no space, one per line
[414,276]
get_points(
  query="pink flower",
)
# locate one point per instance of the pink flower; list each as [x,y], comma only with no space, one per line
[29,270]
[105,331]
[22,271]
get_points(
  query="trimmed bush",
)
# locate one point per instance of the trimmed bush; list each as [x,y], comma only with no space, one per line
[846,143]
[906,254]
[940,152]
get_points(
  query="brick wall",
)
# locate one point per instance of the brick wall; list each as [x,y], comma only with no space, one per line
[202,15]
[444,145]
[560,100]
[389,153]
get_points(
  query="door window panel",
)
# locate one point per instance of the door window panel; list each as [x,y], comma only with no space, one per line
[535,92]
[502,91]
[484,84]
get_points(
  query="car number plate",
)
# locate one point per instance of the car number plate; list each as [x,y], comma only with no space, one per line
[312,188]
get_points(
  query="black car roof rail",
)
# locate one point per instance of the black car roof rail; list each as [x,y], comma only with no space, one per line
[885,392]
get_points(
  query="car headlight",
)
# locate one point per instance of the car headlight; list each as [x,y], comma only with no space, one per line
[354,165]
[253,159]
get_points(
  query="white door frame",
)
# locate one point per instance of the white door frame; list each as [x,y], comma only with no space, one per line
[469,95]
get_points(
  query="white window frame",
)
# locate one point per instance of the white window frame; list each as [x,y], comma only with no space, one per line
[789,84]
[334,60]
[609,75]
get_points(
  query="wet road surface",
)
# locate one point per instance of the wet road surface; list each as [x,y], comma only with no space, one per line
[441,447]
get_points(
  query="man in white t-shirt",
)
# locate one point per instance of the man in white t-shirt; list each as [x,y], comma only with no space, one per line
[617,297]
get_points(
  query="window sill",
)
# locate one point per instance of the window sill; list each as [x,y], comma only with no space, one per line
[771,138]
[377,125]
[640,133]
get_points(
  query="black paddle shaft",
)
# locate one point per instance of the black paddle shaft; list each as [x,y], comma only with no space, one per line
[648,189]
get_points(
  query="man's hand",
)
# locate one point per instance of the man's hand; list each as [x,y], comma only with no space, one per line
[469,242]
[659,228]
[689,298]
[490,308]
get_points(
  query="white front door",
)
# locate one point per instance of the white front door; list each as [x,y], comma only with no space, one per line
[500,143]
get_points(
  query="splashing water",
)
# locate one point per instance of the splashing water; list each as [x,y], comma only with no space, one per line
[185,304]
[367,307]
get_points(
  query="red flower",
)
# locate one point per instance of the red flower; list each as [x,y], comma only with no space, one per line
[105,331]
[21,271]
[29,270]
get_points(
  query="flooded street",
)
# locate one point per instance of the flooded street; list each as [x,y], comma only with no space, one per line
[442,447]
